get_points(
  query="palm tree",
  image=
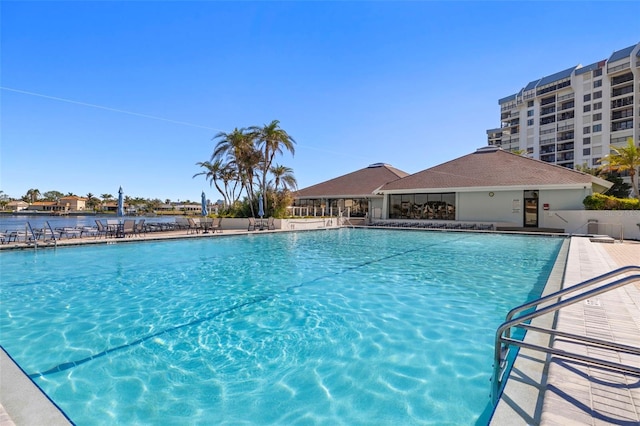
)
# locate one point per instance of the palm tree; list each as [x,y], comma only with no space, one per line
[283,175]
[272,140]
[32,195]
[238,148]
[623,159]
[92,201]
[212,173]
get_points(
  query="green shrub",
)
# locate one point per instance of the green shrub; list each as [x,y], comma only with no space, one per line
[608,202]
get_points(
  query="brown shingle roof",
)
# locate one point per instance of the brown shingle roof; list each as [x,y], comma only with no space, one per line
[489,167]
[360,183]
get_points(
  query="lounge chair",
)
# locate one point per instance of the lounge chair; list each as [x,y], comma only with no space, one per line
[182,223]
[68,232]
[252,224]
[49,233]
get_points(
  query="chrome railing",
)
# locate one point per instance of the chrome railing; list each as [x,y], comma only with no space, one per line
[518,318]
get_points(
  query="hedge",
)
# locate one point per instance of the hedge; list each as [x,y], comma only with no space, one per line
[607,202]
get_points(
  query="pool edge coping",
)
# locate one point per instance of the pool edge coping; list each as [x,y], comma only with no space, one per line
[24,402]
[523,395]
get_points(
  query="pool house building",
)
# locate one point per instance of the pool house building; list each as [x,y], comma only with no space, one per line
[352,195]
[488,186]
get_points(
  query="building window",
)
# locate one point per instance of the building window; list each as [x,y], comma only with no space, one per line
[597,128]
[597,117]
[597,73]
[586,141]
[438,206]
[586,151]
[530,113]
[586,108]
[586,130]
[597,95]
[597,83]
[587,97]
[597,106]
[529,104]
[595,161]
[530,122]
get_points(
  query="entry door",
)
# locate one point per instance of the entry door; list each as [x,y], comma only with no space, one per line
[531,209]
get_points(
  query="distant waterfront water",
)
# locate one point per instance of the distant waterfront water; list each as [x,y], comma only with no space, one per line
[18,222]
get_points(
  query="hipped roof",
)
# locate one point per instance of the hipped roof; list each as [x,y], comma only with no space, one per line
[494,168]
[361,183]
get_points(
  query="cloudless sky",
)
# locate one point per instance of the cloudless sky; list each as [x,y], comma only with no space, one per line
[97,95]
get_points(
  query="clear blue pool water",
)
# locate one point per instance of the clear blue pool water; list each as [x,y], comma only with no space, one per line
[351,327]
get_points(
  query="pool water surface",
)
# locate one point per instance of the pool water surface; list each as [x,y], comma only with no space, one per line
[349,326]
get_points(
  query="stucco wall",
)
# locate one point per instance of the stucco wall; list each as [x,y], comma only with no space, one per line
[610,222]
[507,206]
[480,206]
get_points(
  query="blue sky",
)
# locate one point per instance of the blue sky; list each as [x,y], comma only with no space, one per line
[97,95]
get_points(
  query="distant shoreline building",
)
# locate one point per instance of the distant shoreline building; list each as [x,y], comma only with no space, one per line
[573,117]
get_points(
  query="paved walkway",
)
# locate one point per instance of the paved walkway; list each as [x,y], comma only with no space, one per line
[553,391]
[577,394]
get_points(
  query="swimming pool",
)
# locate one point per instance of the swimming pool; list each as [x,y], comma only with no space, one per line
[346,326]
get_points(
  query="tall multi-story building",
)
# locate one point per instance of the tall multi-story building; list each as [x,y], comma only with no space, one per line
[573,117]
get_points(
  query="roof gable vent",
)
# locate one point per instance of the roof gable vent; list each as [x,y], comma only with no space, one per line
[490,148]
[374,165]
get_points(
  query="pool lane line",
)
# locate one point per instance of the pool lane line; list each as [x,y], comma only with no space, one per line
[71,364]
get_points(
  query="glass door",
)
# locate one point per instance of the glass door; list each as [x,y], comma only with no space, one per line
[531,209]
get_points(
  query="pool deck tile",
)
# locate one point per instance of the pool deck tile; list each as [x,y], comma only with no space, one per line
[574,393]
[614,316]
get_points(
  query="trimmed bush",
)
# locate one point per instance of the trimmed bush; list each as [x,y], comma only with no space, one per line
[607,202]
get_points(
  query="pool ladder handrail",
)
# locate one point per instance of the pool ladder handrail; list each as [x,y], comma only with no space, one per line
[503,338]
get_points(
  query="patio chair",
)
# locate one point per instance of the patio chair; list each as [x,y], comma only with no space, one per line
[102,230]
[194,226]
[129,228]
[140,228]
[252,224]
[270,224]
[216,225]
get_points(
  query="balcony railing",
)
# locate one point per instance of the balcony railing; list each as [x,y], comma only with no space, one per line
[621,79]
[618,67]
[565,97]
[566,127]
[622,91]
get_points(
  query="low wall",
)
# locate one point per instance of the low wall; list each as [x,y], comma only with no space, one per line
[285,224]
[609,222]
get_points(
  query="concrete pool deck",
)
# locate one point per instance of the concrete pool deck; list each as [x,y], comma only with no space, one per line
[566,394]
[553,391]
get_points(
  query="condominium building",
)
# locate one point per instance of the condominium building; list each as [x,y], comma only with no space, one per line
[573,117]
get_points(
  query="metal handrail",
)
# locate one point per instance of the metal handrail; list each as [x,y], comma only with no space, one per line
[503,334]
[34,237]
[569,290]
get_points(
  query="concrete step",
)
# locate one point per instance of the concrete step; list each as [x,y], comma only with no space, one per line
[602,239]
